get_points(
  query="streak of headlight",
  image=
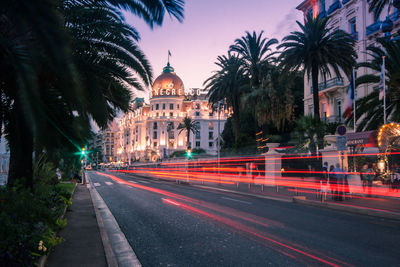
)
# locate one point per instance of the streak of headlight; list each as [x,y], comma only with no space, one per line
[252,231]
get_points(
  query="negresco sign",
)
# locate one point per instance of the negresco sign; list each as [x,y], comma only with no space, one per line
[171,91]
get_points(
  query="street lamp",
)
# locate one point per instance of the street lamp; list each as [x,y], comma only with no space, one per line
[219,103]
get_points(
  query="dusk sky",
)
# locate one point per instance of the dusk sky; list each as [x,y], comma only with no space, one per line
[208,29]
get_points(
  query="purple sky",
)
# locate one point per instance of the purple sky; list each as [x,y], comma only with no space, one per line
[208,29]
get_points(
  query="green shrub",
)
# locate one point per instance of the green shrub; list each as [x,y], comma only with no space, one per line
[30,220]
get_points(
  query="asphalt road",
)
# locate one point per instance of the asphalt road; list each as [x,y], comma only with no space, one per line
[168,224]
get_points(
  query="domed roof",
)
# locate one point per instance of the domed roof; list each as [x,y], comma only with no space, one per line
[168,84]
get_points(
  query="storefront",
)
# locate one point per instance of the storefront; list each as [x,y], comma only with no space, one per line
[389,148]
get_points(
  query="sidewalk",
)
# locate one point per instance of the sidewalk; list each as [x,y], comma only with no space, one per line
[82,245]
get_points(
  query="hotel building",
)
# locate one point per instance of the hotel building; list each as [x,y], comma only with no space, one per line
[148,132]
[353,17]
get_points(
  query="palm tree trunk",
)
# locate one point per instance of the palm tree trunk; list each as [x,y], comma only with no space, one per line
[20,141]
[188,138]
[236,118]
[314,80]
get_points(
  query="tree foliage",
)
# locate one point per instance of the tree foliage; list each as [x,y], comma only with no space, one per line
[318,49]
[64,63]
[369,113]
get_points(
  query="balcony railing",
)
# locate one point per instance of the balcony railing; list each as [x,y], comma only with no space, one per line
[328,84]
[332,119]
[336,5]
[374,27]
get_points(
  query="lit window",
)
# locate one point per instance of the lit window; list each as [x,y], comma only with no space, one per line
[211,126]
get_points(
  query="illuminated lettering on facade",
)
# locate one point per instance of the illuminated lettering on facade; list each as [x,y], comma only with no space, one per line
[171,91]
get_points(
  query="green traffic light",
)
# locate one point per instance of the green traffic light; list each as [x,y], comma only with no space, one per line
[189,152]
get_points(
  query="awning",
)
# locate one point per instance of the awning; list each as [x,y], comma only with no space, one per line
[362,138]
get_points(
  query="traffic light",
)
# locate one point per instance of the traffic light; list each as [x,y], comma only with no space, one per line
[189,152]
[83,152]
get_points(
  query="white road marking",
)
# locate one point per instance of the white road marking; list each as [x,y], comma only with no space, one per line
[140,181]
[232,199]
[109,183]
[96,184]
[87,185]
[170,202]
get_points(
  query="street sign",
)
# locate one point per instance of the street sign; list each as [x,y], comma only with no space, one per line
[341,142]
[341,130]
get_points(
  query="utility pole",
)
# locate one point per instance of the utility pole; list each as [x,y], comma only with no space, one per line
[384,91]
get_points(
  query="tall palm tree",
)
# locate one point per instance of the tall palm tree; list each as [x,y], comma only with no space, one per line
[228,83]
[318,49]
[187,125]
[370,108]
[256,53]
[62,64]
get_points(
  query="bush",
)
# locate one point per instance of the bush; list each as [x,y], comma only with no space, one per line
[178,153]
[30,220]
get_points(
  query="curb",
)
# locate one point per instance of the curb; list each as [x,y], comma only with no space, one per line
[43,259]
[109,253]
[340,207]
[114,238]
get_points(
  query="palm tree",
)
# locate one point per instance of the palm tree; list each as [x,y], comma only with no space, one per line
[228,83]
[190,126]
[370,108]
[377,6]
[256,53]
[309,130]
[273,103]
[318,49]
[64,62]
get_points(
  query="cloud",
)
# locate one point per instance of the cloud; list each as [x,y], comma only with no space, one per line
[288,23]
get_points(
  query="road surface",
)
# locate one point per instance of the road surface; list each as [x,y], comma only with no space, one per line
[169,224]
